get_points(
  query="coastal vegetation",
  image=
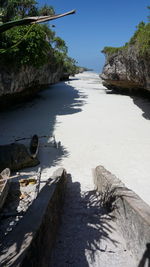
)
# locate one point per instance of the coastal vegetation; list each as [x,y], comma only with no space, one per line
[33,45]
[127,68]
[140,39]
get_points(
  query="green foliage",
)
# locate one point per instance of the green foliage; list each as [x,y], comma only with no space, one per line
[50,35]
[33,45]
[3,3]
[25,45]
[60,45]
[70,66]
[46,10]
[140,39]
[111,50]
[18,9]
[140,28]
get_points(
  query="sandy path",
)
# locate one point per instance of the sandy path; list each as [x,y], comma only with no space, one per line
[94,128]
[111,130]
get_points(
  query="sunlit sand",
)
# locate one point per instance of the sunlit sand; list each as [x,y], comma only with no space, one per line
[93,128]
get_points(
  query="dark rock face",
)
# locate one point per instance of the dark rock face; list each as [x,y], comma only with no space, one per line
[15,81]
[127,70]
[16,85]
[65,77]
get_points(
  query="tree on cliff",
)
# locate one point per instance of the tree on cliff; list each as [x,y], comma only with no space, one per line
[24,8]
[140,39]
[17,9]
[46,11]
[22,45]
[16,13]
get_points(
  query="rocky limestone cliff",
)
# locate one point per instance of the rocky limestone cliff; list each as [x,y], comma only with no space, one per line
[127,70]
[16,85]
[15,81]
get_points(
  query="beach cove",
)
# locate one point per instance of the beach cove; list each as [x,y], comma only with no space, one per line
[93,128]
[81,126]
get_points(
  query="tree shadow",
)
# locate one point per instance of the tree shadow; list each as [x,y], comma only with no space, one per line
[84,230]
[146,257]
[39,116]
[144,104]
[141,99]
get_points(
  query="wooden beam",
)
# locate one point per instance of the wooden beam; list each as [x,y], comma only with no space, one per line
[32,20]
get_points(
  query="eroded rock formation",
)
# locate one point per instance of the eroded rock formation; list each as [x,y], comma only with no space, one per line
[16,84]
[15,81]
[127,70]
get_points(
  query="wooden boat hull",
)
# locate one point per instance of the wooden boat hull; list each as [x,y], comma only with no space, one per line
[4,186]
[34,146]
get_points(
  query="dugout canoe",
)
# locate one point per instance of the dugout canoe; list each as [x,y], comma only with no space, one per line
[4,186]
[34,146]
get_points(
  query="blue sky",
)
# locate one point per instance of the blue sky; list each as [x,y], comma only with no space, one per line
[96,24]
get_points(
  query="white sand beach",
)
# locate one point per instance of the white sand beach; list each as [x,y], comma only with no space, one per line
[94,128]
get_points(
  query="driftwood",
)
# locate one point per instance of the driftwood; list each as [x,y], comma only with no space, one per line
[32,20]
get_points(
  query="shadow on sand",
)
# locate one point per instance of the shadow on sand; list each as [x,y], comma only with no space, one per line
[144,104]
[84,225]
[39,116]
[141,100]
[146,257]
